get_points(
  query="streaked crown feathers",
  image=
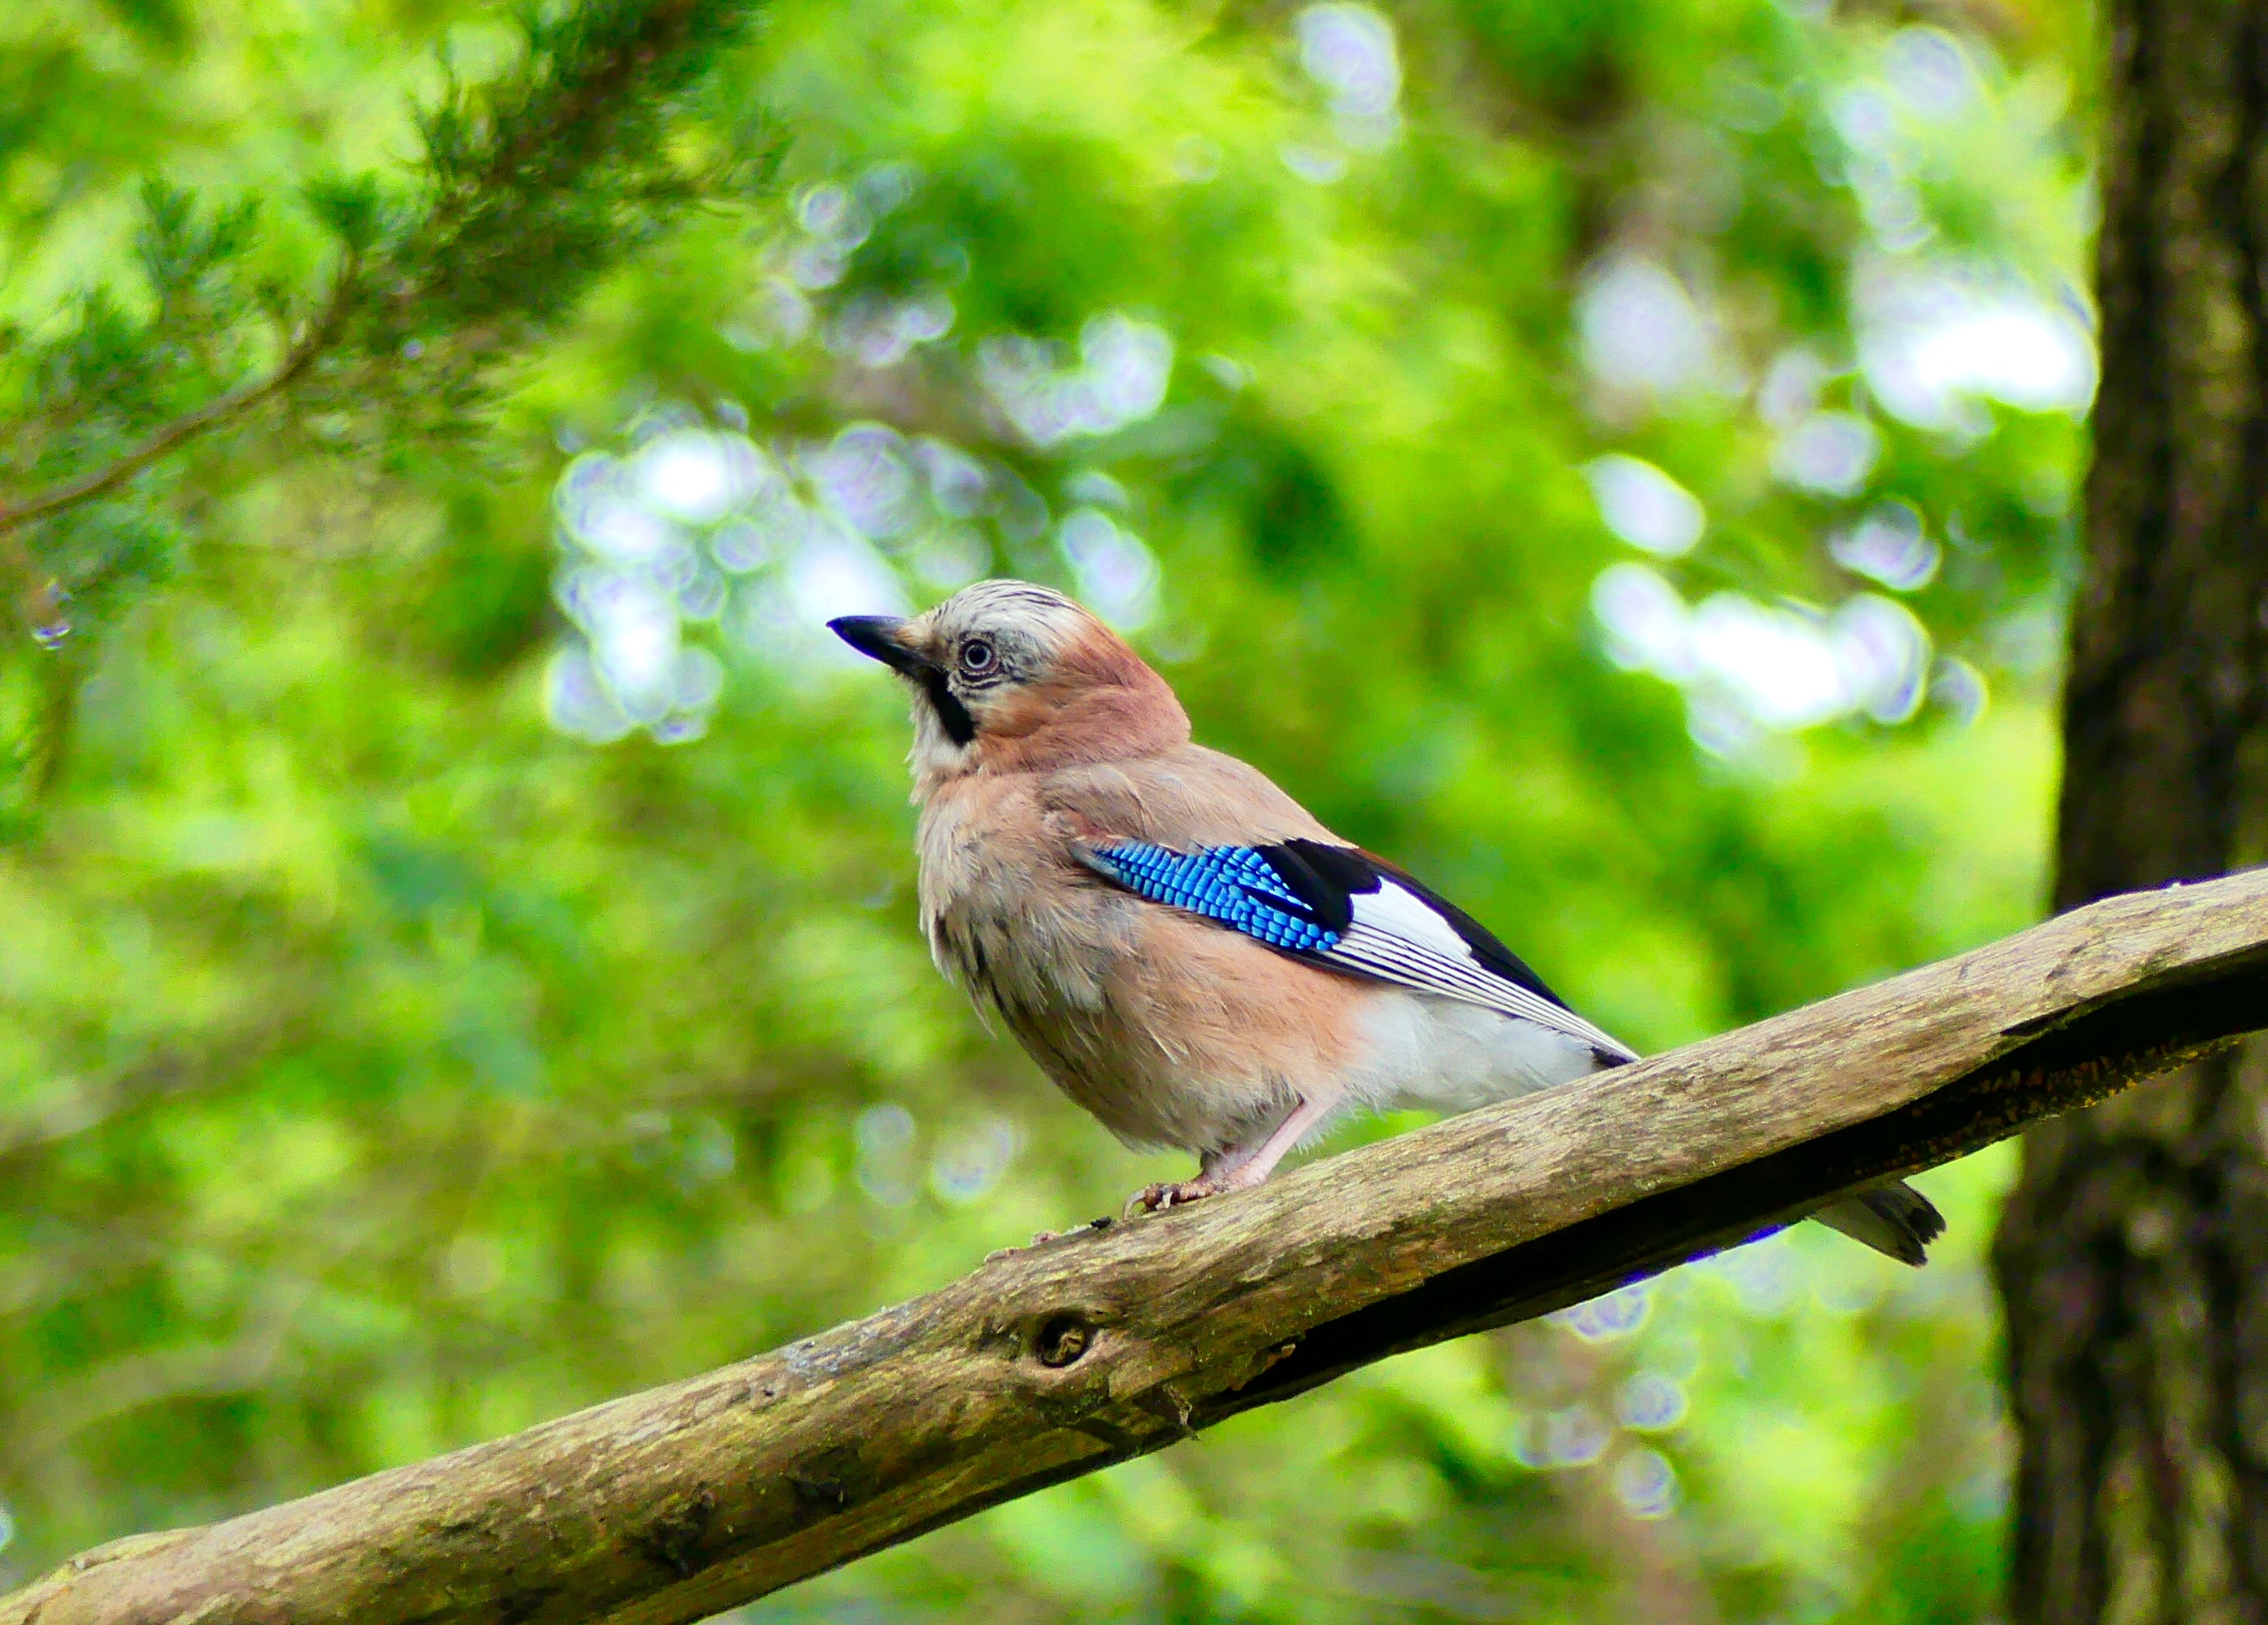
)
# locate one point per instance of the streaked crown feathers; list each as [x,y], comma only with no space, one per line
[1016,677]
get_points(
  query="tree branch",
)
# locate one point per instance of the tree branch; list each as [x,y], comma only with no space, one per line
[524,164]
[228,404]
[675,1503]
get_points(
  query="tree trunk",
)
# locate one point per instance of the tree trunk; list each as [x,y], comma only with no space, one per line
[2133,1257]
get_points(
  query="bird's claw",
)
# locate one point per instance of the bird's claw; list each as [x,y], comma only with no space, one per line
[1174,1194]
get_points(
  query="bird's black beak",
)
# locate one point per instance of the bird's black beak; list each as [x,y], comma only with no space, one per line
[876,637]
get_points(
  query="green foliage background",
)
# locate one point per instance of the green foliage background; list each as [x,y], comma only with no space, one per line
[413,1025]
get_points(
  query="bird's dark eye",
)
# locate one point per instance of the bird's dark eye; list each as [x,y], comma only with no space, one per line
[977,657]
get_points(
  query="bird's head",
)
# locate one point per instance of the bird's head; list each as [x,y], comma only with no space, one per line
[1009,677]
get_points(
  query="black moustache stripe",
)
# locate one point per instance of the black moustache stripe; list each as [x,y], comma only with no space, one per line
[959,727]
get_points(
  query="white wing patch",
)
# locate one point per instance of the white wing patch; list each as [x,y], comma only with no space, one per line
[1396,911]
[1396,936]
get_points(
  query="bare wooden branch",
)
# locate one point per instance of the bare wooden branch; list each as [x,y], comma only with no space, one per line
[672,1504]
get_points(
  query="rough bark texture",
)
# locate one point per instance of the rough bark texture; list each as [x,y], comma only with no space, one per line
[671,1505]
[2133,1257]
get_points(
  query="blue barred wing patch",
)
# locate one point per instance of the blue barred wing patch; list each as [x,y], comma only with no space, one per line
[1340,907]
[1233,885]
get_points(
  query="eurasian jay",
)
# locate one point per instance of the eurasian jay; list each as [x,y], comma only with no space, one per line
[1186,952]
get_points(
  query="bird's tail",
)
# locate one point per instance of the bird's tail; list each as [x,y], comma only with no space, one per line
[1893,1218]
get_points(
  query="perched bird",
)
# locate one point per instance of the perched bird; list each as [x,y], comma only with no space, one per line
[1181,946]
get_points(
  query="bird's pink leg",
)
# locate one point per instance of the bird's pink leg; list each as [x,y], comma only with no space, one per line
[1239,1167]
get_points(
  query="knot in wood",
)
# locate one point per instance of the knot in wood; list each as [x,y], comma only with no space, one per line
[1062,1339]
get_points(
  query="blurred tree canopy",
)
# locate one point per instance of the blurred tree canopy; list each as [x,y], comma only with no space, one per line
[455,918]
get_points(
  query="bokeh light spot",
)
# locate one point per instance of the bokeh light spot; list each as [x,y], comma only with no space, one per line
[1645,1484]
[1645,506]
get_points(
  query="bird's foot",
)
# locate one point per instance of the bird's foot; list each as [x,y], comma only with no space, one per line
[1175,1193]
